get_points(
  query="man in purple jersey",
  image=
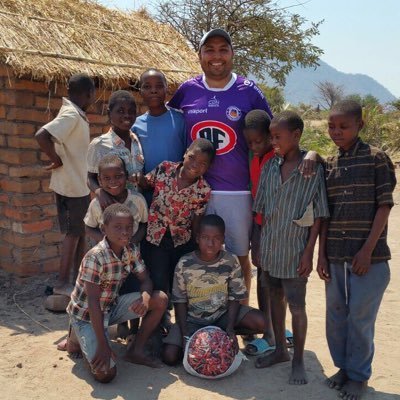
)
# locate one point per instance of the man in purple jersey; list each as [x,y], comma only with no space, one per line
[214,105]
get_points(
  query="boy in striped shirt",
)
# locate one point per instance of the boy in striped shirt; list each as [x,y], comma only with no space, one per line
[292,207]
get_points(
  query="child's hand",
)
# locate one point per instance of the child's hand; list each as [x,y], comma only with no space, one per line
[308,166]
[138,179]
[102,358]
[361,262]
[55,163]
[104,198]
[305,265]
[323,269]
[140,306]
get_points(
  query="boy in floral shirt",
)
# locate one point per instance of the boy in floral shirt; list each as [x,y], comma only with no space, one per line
[180,198]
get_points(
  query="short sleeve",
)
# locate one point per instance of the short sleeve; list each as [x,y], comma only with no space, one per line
[179,293]
[91,269]
[321,208]
[236,286]
[142,208]
[151,176]
[385,179]
[93,217]
[176,100]
[138,263]
[259,201]
[63,125]
[260,102]
[94,155]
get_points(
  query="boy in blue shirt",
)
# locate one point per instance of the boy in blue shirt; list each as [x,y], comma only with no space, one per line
[161,130]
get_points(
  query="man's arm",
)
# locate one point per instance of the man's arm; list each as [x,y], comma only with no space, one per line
[181,317]
[46,144]
[362,260]
[101,360]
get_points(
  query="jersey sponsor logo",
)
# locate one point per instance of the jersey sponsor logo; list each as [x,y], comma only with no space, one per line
[222,136]
[198,111]
[233,113]
[213,102]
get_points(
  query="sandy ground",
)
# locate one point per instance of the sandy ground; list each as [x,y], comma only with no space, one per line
[32,368]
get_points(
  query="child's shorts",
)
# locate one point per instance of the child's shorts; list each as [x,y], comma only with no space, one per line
[175,337]
[71,211]
[119,313]
[293,288]
[255,245]
[235,209]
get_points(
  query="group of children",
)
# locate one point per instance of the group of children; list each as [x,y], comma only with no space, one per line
[345,200]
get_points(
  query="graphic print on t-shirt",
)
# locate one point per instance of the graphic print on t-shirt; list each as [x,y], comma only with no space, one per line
[222,136]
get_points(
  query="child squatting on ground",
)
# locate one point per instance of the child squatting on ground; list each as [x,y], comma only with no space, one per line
[65,141]
[353,253]
[95,303]
[292,207]
[207,290]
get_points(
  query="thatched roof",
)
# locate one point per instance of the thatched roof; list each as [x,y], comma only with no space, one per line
[50,39]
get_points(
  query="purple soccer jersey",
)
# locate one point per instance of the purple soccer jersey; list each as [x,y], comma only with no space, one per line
[218,115]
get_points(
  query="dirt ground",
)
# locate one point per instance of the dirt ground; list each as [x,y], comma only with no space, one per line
[32,368]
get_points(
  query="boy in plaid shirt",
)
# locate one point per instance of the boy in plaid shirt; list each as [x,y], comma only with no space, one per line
[95,304]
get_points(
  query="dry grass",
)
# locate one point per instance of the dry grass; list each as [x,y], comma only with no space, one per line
[51,39]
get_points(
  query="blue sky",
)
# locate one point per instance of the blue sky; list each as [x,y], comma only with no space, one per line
[358,36]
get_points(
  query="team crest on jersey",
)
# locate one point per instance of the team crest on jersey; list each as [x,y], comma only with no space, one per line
[213,102]
[222,136]
[246,82]
[233,113]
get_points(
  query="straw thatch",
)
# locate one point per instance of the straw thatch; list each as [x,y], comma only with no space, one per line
[50,39]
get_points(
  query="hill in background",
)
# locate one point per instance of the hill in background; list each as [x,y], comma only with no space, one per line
[301,84]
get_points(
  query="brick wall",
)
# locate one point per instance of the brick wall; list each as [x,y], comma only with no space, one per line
[29,233]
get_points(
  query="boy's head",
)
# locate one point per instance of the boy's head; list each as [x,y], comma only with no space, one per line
[256,132]
[198,158]
[345,122]
[153,88]
[112,175]
[118,225]
[81,90]
[122,110]
[286,129]
[210,236]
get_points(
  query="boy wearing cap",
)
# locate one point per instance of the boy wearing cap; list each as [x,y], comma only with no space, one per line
[214,106]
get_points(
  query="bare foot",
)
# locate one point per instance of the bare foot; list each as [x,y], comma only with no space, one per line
[298,375]
[64,289]
[353,390]
[142,359]
[71,345]
[272,358]
[338,380]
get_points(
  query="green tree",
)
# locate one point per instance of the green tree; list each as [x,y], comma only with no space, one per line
[276,99]
[396,104]
[267,39]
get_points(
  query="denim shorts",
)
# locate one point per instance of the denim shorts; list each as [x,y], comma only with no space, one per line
[235,208]
[119,313]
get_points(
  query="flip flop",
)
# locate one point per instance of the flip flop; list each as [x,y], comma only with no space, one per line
[261,345]
[289,338]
